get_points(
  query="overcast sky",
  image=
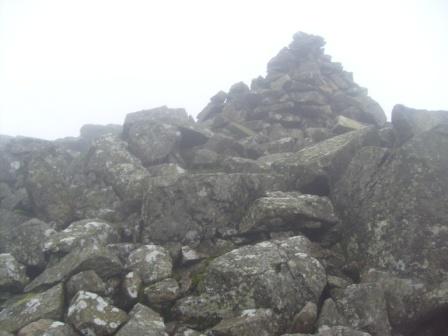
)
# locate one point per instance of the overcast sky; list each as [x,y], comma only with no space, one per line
[65,63]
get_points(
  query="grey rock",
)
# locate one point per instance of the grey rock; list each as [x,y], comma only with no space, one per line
[304,321]
[9,220]
[90,132]
[45,327]
[330,315]
[92,257]
[280,275]
[250,322]
[364,307]
[90,314]
[110,160]
[152,262]
[162,293]
[79,234]
[131,287]
[284,210]
[27,242]
[32,307]
[408,122]
[143,322]
[12,274]
[393,206]
[195,206]
[344,124]
[334,331]
[87,281]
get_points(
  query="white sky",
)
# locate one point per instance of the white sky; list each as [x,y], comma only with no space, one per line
[65,63]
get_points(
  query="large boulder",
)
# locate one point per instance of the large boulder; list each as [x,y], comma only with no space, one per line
[12,274]
[46,327]
[32,307]
[196,206]
[280,275]
[408,122]
[393,205]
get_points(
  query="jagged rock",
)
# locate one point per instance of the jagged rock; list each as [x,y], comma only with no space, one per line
[408,122]
[143,322]
[304,321]
[251,322]
[32,307]
[183,331]
[12,274]
[195,206]
[283,210]
[364,307]
[87,281]
[153,263]
[161,293]
[91,132]
[280,275]
[90,314]
[243,165]
[110,160]
[315,168]
[27,241]
[190,255]
[45,327]
[81,233]
[393,206]
[92,257]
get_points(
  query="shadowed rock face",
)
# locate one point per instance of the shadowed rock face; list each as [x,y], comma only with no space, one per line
[289,208]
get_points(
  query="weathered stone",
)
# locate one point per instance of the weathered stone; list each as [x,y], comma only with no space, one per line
[304,321]
[364,307]
[90,314]
[190,255]
[334,331]
[250,322]
[90,132]
[12,274]
[183,331]
[195,206]
[393,207]
[92,257]
[131,287]
[110,160]
[87,281]
[280,275]
[45,327]
[284,210]
[161,293]
[27,242]
[80,234]
[330,315]
[143,322]
[153,263]
[9,220]
[344,124]
[32,307]
[408,122]
[315,168]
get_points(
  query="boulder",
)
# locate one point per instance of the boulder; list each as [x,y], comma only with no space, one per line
[393,207]
[152,262]
[143,322]
[195,206]
[160,294]
[304,321]
[27,242]
[87,281]
[32,307]
[90,314]
[131,287]
[280,275]
[288,210]
[250,322]
[79,234]
[92,257]
[45,327]
[110,161]
[9,220]
[408,122]
[12,274]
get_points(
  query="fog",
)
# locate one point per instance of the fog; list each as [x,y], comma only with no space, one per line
[68,63]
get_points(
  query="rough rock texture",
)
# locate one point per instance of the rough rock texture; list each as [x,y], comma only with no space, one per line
[289,206]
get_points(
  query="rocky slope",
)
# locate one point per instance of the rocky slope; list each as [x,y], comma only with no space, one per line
[289,208]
